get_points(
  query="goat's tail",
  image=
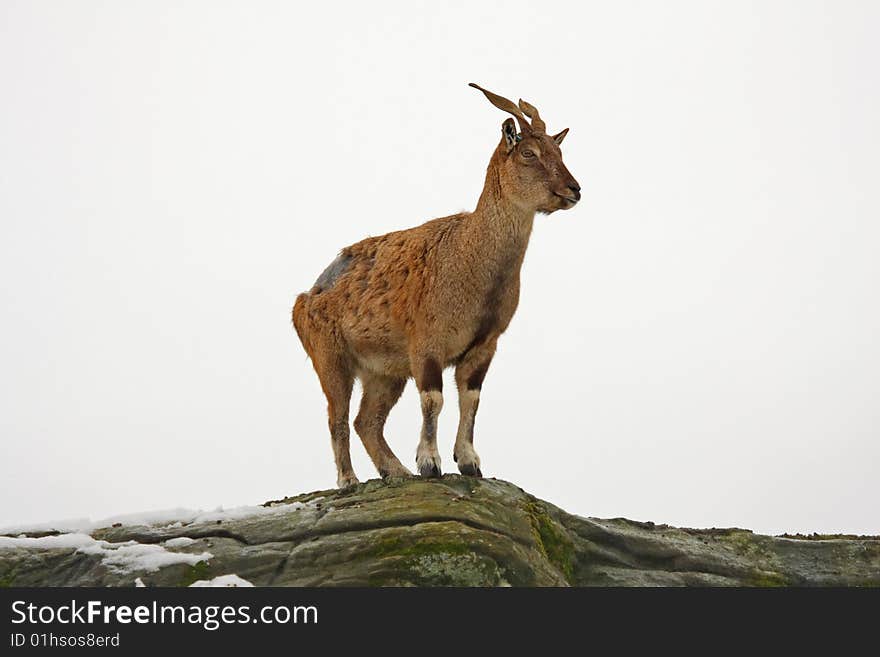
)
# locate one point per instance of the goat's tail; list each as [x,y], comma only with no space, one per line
[301,322]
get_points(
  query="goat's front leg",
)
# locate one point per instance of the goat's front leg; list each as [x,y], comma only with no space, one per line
[429,380]
[469,377]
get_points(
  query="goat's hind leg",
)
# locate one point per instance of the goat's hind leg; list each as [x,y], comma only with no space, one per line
[380,395]
[337,381]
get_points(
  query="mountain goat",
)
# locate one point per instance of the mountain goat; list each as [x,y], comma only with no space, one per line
[413,302]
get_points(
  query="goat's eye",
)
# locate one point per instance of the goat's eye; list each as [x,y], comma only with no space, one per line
[528,153]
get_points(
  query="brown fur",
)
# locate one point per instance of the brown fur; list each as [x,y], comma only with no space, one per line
[412,302]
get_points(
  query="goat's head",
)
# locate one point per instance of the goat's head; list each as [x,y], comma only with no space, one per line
[531,170]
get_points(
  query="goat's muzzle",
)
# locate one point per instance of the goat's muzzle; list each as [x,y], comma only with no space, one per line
[571,194]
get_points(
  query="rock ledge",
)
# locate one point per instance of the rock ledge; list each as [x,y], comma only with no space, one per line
[455,531]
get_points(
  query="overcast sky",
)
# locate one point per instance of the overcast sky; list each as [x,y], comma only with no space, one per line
[696,341]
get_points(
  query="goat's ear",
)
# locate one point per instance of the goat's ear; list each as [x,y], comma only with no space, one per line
[508,129]
[560,136]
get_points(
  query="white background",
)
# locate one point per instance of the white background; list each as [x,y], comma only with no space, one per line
[696,342]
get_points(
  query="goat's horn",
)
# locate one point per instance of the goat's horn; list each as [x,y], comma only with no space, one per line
[532,112]
[507,105]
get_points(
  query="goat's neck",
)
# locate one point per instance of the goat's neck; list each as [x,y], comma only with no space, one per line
[498,228]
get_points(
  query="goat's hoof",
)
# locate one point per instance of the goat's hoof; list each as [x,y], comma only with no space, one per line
[429,470]
[470,470]
[395,471]
[347,482]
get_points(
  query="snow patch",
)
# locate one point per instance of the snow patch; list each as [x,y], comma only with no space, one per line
[162,518]
[60,542]
[65,526]
[129,556]
[180,541]
[223,580]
